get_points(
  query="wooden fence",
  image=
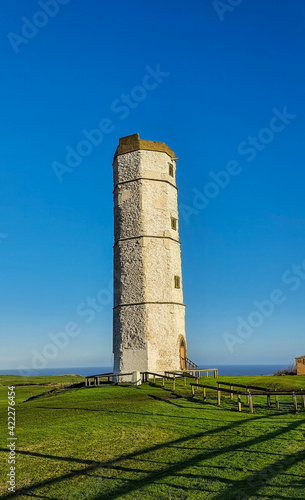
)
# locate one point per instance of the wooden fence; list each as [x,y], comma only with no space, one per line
[96,380]
[173,377]
[197,372]
[250,395]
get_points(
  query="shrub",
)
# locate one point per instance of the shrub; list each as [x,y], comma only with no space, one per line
[291,370]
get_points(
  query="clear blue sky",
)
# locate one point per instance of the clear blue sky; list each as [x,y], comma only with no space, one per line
[230,96]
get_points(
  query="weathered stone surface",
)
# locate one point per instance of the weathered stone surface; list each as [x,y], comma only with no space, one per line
[134,143]
[300,363]
[148,318]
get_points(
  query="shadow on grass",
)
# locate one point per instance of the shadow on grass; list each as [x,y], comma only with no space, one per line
[142,414]
[243,488]
[164,400]
[252,483]
[40,496]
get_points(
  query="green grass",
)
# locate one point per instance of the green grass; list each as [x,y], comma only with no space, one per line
[16,380]
[28,387]
[122,442]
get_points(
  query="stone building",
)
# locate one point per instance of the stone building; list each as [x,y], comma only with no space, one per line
[300,363]
[148,313]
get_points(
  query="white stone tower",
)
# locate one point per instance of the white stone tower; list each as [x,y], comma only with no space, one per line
[148,313]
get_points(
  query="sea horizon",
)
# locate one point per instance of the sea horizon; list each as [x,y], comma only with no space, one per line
[85,371]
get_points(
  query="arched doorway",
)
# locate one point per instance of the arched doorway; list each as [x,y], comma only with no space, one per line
[182,355]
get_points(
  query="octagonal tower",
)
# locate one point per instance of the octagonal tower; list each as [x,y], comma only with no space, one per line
[148,313]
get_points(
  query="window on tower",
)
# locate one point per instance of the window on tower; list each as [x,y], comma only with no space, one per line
[174,223]
[177,281]
[171,169]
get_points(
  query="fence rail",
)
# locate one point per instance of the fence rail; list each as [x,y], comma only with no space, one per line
[172,376]
[95,380]
[198,371]
[253,387]
[238,390]
[250,395]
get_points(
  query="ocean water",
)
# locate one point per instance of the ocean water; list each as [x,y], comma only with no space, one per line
[229,370]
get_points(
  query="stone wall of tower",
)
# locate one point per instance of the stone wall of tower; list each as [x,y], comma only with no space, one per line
[148,318]
[300,364]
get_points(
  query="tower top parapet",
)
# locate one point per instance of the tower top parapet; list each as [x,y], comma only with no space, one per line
[133,142]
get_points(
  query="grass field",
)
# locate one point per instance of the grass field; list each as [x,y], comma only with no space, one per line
[122,442]
[27,387]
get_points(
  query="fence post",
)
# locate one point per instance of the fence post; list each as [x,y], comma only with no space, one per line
[204,394]
[268,401]
[303,399]
[218,396]
[248,395]
[277,402]
[163,381]
[174,383]
[250,400]
[231,393]
[295,402]
[238,402]
[193,391]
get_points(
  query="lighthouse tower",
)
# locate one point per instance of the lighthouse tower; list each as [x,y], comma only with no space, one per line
[148,313]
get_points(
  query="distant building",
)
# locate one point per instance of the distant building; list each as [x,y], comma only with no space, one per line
[300,362]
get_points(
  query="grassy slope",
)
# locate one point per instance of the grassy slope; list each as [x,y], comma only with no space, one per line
[27,387]
[16,380]
[146,443]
